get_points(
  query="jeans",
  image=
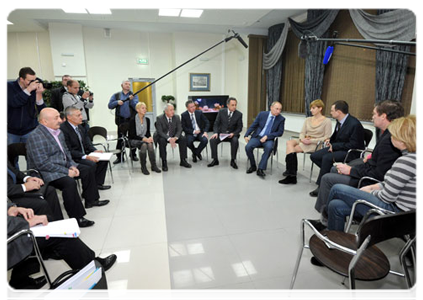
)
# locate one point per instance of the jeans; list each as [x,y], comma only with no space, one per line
[341,200]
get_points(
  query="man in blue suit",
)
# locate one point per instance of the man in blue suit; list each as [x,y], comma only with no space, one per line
[266,127]
[195,125]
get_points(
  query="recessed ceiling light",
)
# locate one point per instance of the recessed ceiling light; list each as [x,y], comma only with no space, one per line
[99,11]
[169,12]
[191,13]
[75,10]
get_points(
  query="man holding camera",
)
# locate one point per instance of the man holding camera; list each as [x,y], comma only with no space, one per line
[71,98]
[24,102]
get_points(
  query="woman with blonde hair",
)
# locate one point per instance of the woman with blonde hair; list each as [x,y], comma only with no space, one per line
[398,190]
[140,137]
[315,129]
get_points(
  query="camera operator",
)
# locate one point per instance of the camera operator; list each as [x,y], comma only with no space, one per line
[124,104]
[72,98]
[24,102]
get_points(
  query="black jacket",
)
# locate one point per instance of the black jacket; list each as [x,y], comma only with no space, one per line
[72,141]
[349,136]
[202,122]
[132,130]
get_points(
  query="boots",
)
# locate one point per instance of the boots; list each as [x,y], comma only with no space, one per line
[143,157]
[153,164]
[164,165]
[291,169]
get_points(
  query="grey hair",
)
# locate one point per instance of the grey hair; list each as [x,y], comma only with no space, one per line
[167,105]
[70,109]
[127,80]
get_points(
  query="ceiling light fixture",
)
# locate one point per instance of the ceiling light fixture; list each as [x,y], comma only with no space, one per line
[75,10]
[99,11]
[169,12]
[191,13]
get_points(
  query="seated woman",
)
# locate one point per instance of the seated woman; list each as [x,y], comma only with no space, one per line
[398,190]
[316,129]
[140,137]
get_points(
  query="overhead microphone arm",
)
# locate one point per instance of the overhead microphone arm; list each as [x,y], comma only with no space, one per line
[227,39]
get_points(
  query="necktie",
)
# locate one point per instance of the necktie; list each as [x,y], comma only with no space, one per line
[338,126]
[80,139]
[193,123]
[171,129]
[12,175]
[269,126]
[230,117]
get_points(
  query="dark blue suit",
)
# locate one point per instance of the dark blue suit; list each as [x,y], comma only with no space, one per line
[255,129]
[203,123]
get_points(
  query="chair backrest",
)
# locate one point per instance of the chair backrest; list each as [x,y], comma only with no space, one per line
[97,130]
[15,150]
[382,228]
[368,134]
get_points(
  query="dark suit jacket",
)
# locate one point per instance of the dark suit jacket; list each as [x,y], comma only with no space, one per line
[221,124]
[383,157]
[260,122]
[56,98]
[132,131]
[202,122]
[162,126]
[45,155]
[15,190]
[72,141]
[350,136]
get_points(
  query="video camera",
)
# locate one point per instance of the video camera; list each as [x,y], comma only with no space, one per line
[46,85]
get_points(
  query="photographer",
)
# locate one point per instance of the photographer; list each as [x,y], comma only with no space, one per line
[71,98]
[24,102]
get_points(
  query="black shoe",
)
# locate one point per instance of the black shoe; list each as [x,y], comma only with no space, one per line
[164,166]
[184,163]
[118,161]
[82,222]
[214,162]
[289,180]
[29,283]
[97,203]
[145,171]
[314,193]
[199,156]
[261,173]
[318,225]
[233,164]
[194,158]
[107,262]
[315,262]
[103,187]
[251,169]
[155,169]
[134,158]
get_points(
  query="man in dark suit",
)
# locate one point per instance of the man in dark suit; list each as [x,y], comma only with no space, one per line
[80,146]
[266,127]
[381,160]
[195,125]
[56,99]
[72,250]
[169,130]
[228,122]
[31,192]
[348,134]
[47,152]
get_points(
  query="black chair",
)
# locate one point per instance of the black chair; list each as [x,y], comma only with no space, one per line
[124,129]
[368,134]
[355,256]
[101,131]
[19,149]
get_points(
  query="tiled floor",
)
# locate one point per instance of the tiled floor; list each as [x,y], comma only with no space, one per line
[208,228]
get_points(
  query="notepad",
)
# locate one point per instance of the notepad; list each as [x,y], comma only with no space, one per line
[223,136]
[85,279]
[67,228]
[102,155]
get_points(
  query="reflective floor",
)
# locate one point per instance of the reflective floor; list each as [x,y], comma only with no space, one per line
[209,228]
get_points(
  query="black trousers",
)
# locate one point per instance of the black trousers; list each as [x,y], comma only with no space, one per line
[190,143]
[37,204]
[234,146]
[120,142]
[71,200]
[182,142]
[99,167]
[325,159]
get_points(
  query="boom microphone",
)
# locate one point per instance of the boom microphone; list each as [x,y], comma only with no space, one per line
[237,36]
[328,55]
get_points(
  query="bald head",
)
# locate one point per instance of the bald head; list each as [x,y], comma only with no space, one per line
[50,118]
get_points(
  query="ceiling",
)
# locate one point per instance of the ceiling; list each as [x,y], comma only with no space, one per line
[243,21]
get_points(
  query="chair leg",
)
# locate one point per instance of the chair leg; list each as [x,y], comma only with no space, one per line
[311,171]
[40,258]
[111,172]
[304,157]
[300,254]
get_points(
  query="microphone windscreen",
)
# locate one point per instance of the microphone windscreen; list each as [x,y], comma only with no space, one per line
[242,41]
[302,49]
[328,55]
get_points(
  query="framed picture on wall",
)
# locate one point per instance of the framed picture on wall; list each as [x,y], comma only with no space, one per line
[199,82]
